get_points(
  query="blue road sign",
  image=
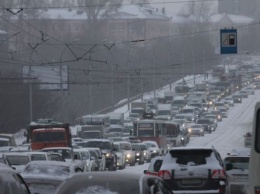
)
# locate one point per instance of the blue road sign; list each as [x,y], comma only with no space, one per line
[228,41]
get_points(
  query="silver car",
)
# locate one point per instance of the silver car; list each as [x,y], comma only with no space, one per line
[236,166]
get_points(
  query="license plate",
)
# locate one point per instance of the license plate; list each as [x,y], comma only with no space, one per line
[191,181]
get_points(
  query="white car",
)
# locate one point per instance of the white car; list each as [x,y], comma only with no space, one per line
[153,147]
[120,156]
[44,177]
[66,152]
[146,151]
[83,158]
[129,153]
[18,160]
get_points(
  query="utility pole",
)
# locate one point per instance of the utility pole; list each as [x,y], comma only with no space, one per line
[31,110]
[90,86]
[204,65]
[141,77]
[61,93]
[128,79]
[170,70]
[154,93]
[193,67]
[112,86]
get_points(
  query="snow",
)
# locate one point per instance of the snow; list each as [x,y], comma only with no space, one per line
[238,19]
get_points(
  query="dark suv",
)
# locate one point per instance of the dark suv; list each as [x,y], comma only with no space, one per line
[139,154]
[207,124]
[107,149]
[199,170]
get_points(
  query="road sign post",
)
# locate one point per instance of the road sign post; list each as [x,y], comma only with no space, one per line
[228,41]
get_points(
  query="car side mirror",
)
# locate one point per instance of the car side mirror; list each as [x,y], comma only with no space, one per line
[145,171]
[75,157]
[228,166]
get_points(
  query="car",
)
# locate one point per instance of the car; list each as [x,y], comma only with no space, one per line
[196,129]
[243,93]
[207,124]
[129,153]
[236,166]
[153,147]
[56,157]
[100,159]
[107,149]
[139,154]
[250,90]
[221,104]
[66,152]
[146,151]
[194,169]
[11,181]
[45,176]
[113,183]
[18,160]
[237,98]
[248,139]
[83,158]
[218,114]
[223,112]
[229,101]
[37,156]
[120,156]
[154,166]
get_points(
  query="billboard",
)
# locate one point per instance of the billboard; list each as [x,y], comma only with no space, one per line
[49,77]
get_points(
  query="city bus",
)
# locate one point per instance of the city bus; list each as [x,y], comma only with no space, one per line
[254,163]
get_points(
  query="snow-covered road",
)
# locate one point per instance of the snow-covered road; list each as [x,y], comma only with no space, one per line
[228,135]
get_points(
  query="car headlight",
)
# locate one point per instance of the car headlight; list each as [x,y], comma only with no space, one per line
[219,116]
[128,155]
[154,151]
[189,130]
[144,154]
[183,125]
[169,118]
[107,155]
[201,130]
[182,138]
[138,154]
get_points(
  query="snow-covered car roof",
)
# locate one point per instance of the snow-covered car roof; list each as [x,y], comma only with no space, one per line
[57,148]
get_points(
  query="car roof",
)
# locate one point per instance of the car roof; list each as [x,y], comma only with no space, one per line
[57,148]
[107,180]
[192,148]
[58,163]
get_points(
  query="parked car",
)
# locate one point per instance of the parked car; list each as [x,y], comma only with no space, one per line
[196,129]
[119,183]
[236,166]
[11,181]
[44,177]
[198,169]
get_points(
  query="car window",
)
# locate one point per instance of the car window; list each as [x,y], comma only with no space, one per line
[192,157]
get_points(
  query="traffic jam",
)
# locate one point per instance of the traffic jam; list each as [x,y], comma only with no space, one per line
[157,131]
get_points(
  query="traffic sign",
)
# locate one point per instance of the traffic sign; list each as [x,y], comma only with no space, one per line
[228,41]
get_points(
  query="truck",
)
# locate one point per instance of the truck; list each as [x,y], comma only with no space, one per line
[139,107]
[92,131]
[116,118]
[45,133]
[169,95]
[7,139]
[164,112]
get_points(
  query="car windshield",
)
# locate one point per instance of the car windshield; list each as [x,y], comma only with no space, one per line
[194,157]
[125,146]
[4,143]
[238,162]
[48,136]
[66,153]
[17,160]
[164,112]
[38,157]
[119,130]
[99,144]
[47,169]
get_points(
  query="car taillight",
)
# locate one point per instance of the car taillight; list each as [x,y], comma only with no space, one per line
[164,174]
[257,190]
[218,174]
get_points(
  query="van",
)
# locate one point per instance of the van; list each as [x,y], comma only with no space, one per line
[179,101]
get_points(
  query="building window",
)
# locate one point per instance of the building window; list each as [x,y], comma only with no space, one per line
[112,27]
[122,27]
[131,27]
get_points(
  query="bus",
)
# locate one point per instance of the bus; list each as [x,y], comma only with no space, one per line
[254,167]
[160,131]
